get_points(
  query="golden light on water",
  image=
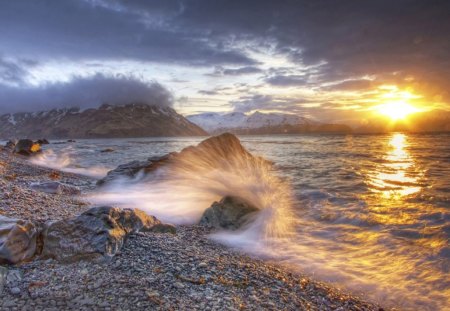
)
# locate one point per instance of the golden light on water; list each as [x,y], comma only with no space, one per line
[393,178]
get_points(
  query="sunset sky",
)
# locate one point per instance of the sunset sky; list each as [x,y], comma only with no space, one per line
[322,59]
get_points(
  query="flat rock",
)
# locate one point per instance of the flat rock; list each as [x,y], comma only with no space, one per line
[54,187]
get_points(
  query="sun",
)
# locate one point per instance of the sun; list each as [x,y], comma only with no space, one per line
[396,110]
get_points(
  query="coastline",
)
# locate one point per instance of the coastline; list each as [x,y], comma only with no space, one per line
[185,271]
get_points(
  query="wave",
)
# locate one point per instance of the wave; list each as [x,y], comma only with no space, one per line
[66,162]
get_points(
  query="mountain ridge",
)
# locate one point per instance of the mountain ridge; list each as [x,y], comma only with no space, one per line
[263,123]
[106,121]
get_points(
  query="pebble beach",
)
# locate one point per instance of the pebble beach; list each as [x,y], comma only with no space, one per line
[153,271]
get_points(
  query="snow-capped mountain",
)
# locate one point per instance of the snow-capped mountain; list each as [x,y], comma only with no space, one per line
[131,120]
[214,122]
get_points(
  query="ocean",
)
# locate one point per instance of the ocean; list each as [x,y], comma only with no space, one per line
[368,213]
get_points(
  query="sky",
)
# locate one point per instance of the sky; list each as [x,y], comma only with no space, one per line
[324,59]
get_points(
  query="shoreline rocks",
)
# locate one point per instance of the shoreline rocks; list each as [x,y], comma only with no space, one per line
[27,147]
[229,213]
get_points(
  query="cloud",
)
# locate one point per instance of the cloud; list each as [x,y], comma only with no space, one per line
[351,85]
[289,80]
[269,102]
[219,71]
[403,42]
[12,73]
[108,30]
[83,93]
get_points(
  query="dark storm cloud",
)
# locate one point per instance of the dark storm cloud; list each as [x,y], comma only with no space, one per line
[87,29]
[83,93]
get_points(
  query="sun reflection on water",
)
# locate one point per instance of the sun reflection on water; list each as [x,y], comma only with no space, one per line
[398,175]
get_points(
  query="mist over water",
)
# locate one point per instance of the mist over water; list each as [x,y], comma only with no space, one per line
[370,213]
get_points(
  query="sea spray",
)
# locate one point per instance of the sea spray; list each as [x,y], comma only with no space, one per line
[64,161]
[178,188]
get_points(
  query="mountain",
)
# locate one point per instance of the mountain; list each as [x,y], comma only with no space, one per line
[262,123]
[107,121]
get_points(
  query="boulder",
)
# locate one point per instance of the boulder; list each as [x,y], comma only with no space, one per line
[17,240]
[54,187]
[26,147]
[97,233]
[212,153]
[229,213]
[125,170]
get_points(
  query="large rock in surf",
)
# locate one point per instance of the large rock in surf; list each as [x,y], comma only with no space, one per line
[217,152]
[97,233]
[230,213]
[26,147]
[17,240]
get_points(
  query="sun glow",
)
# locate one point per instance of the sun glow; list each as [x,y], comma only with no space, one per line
[396,110]
[396,104]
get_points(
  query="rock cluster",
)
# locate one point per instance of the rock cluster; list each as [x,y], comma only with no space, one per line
[97,233]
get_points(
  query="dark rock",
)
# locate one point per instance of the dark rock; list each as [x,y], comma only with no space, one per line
[125,170]
[71,141]
[98,232]
[42,141]
[17,240]
[26,147]
[230,213]
[54,187]
[107,150]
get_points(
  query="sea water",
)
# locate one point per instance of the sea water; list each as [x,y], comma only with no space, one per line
[369,213]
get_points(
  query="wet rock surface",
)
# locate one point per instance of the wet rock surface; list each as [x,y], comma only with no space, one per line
[229,213]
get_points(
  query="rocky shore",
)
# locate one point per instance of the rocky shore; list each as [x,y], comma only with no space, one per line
[152,271]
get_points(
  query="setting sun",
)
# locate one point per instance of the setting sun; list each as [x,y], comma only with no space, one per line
[396,110]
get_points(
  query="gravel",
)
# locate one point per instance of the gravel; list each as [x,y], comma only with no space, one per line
[153,271]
